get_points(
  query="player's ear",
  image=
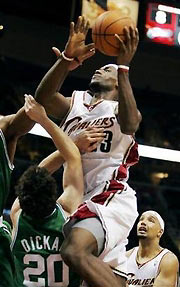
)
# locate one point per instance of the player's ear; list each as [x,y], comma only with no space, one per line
[160,233]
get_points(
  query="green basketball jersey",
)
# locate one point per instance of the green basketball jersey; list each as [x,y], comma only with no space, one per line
[36,249]
[5,172]
[6,259]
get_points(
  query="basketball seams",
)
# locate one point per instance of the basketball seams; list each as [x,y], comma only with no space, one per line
[100,38]
[116,21]
[105,41]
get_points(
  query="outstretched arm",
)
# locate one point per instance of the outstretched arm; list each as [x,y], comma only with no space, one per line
[52,162]
[73,176]
[47,92]
[13,127]
[128,115]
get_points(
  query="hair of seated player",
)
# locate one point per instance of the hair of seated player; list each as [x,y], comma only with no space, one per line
[37,192]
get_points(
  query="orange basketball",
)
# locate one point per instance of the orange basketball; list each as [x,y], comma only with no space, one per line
[105,27]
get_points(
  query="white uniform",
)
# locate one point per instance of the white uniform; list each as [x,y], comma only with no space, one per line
[145,274]
[107,194]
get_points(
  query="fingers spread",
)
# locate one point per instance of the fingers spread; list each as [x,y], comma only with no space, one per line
[78,24]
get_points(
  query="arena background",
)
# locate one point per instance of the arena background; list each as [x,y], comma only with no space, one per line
[30,29]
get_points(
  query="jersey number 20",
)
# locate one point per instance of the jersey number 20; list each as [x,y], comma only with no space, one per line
[42,265]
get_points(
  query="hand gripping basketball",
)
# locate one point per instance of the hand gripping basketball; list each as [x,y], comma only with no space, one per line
[104,29]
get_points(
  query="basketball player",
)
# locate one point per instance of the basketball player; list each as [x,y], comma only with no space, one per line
[101,225]
[149,264]
[11,128]
[38,217]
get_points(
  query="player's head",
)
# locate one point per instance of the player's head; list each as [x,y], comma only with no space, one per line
[150,225]
[37,192]
[105,79]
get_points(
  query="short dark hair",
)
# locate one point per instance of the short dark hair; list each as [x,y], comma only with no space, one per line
[37,192]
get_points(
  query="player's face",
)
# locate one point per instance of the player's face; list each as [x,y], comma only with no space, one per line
[148,226]
[104,78]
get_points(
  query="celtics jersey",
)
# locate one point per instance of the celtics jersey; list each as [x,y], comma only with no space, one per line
[6,258]
[5,172]
[36,248]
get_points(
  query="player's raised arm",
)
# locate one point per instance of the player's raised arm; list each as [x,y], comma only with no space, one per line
[129,116]
[13,127]
[73,176]
[75,52]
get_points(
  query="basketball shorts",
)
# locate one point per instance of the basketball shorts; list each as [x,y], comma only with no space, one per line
[116,208]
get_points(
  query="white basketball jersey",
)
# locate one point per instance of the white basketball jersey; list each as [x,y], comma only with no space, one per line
[145,274]
[100,164]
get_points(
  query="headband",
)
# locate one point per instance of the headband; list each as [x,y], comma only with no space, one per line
[158,216]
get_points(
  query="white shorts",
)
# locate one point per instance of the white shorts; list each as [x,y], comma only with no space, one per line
[116,208]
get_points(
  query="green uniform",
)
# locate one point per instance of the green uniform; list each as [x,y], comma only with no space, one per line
[6,260]
[36,248]
[5,172]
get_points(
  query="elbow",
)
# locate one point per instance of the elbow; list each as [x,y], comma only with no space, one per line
[128,131]
[129,128]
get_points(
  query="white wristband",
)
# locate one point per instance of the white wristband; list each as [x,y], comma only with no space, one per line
[66,58]
[123,67]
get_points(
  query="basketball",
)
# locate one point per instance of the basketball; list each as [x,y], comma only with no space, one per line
[105,27]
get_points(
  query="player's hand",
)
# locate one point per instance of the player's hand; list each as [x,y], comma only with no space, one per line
[89,139]
[77,61]
[128,47]
[34,110]
[76,46]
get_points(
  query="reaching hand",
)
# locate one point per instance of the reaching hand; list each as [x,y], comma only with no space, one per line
[128,47]
[89,139]
[77,61]
[76,46]
[34,110]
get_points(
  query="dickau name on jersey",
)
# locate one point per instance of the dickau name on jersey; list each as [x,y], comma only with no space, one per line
[41,242]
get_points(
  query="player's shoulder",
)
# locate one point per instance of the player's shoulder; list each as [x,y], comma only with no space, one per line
[169,259]
[130,251]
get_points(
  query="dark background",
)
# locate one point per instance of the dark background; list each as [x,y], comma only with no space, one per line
[31,28]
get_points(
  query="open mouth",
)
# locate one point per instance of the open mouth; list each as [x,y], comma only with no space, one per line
[142,229]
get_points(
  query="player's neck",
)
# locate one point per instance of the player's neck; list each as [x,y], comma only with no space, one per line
[148,249]
[103,95]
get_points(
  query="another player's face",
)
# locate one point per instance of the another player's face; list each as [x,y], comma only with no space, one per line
[148,226]
[104,78]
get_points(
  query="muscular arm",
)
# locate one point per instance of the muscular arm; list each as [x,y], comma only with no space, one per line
[128,115]
[47,93]
[13,127]
[168,273]
[73,175]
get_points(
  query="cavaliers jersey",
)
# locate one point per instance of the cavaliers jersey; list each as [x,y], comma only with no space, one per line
[145,274]
[36,248]
[100,165]
[6,259]
[5,172]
